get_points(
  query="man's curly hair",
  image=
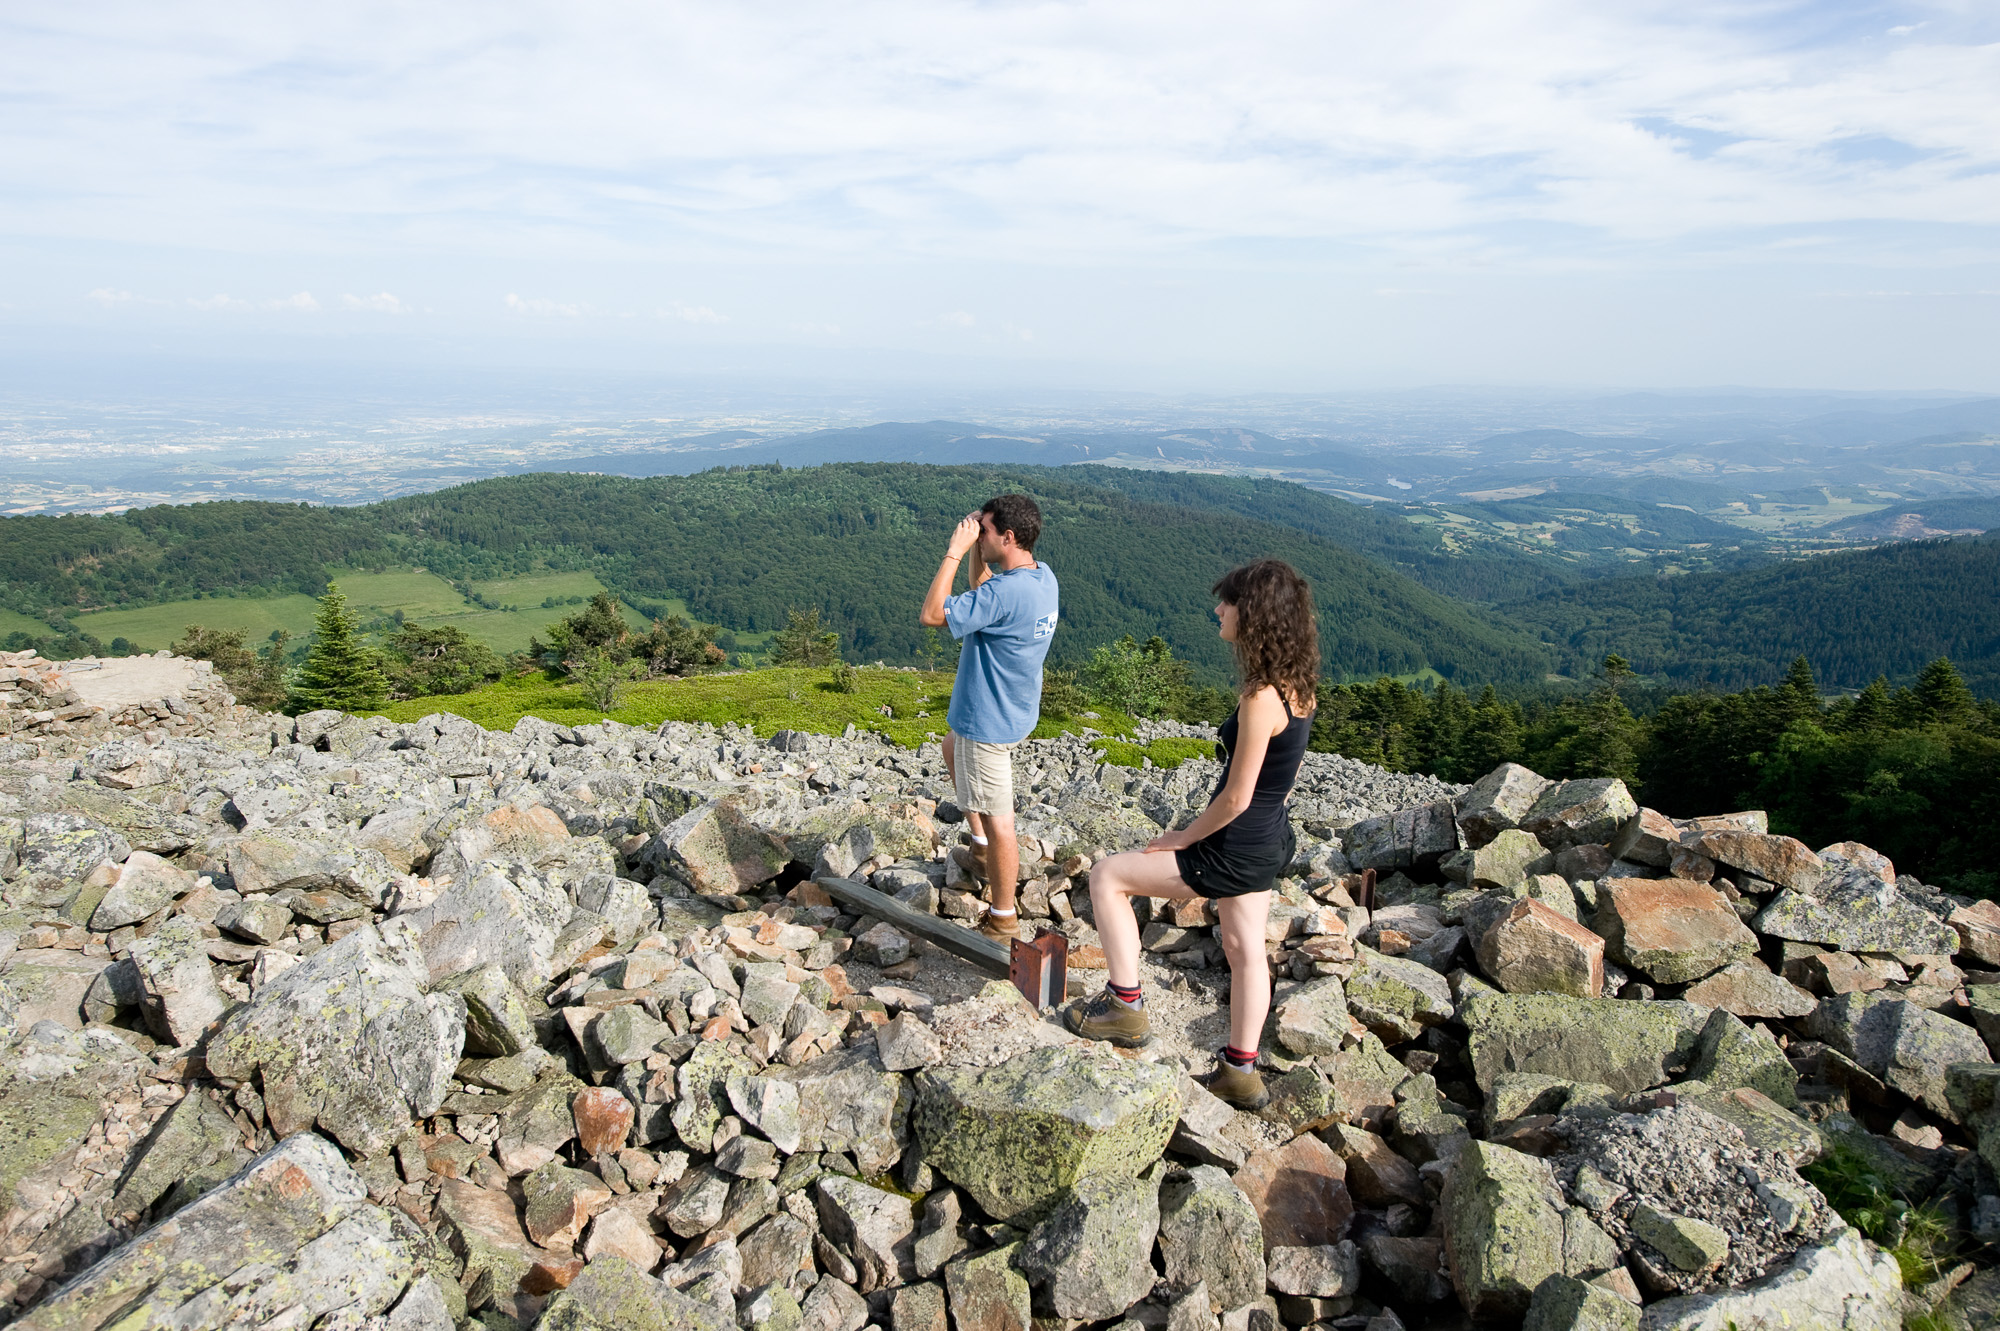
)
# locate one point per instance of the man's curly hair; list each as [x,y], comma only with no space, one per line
[1277,635]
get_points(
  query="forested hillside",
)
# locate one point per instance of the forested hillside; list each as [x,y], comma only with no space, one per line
[742,547]
[1855,615]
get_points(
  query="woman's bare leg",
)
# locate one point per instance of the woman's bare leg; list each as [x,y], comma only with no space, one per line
[1240,923]
[1113,882]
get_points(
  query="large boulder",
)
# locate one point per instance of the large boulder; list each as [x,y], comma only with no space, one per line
[52,1087]
[1502,862]
[349,1040]
[1845,1284]
[289,1240]
[1299,1191]
[1729,1055]
[1533,949]
[1498,802]
[1775,859]
[52,984]
[1396,998]
[1503,1229]
[1091,1257]
[715,849]
[1908,1047]
[1019,1135]
[146,884]
[1312,1019]
[1853,910]
[1408,838]
[1670,929]
[1626,1046]
[849,1102]
[493,920]
[274,859]
[1210,1235]
[1749,988]
[1576,813]
[68,845]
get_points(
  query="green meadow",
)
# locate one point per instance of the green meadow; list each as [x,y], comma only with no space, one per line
[423,597]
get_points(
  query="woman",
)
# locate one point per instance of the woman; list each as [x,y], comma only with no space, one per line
[1232,854]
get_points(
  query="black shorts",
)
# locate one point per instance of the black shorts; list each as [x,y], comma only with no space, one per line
[1214,872]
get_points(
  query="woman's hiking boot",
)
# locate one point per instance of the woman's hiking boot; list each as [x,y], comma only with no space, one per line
[1239,1088]
[1109,1018]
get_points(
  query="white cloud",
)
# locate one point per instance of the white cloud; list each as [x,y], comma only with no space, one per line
[693,314]
[219,303]
[540,305]
[302,303]
[109,296]
[379,303]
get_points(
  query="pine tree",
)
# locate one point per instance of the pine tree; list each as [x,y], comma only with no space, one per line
[1941,693]
[341,672]
[802,642]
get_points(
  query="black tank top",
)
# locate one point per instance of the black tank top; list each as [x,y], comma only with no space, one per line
[1262,825]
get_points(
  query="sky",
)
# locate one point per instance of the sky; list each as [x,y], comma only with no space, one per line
[1142,194]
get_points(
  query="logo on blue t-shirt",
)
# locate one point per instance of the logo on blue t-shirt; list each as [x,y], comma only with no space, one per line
[1045,626]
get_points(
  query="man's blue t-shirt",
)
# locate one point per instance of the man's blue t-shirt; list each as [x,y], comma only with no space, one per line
[1005,625]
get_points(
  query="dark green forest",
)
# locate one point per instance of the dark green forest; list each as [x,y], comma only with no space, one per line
[1855,615]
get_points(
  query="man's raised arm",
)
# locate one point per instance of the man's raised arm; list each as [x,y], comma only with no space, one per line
[964,537]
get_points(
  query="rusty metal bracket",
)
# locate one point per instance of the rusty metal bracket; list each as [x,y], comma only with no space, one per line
[1040,970]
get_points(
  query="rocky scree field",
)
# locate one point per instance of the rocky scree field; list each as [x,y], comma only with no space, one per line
[343,1022]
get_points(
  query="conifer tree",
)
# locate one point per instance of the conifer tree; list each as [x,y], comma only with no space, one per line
[340,672]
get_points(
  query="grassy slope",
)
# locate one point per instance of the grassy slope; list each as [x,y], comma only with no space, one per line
[766,700]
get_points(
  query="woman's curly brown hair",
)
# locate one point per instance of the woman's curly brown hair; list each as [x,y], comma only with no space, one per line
[1277,636]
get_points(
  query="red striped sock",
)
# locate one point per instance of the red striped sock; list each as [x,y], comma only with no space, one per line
[1239,1058]
[1129,996]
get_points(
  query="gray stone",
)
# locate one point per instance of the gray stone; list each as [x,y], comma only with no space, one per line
[1853,910]
[52,1084]
[1908,1048]
[1574,813]
[625,906]
[715,849]
[940,1240]
[1199,1133]
[498,1023]
[259,919]
[625,1034]
[613,1295]
[1748,988]
[905,1044]
[1690,1244]
[303,860]
[872,1228]
[770,1106]
[776,1252]
[195,1146]
[1504,862]
[1091,1257]
[849,1102]
[703,1091]
[1844,1284]
[146,884]
[348,1041]
[1730,1054]
[767,994]
[834,1306]
[1327,1270]
[1498,801]
[1019,1135]
[492,920]
[67,845]
[986,1293]
[1626,1046]
[1564,1303]
[182,999]
[1502,1235]
[1312,1019]
[56,984]
[1408,838]
[883,945]
[1412,1267]
[1396,998]
[1210,1234]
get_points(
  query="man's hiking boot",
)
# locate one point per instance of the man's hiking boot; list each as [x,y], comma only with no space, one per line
[968,859]
[1239,1088]
[1108,1018]
[1001,928]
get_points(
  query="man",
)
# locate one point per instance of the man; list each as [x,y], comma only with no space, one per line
[1005,621]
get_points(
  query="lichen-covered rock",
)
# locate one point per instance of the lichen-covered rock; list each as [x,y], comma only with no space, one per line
[1091,1257]
[614,1295]
[1775,859]
[1503,1234]
[1845,1284]
[1396,998]
[872,1228]
[704,1091]
[146,884]
[1575,813]
[1855,911]
[1533,949]
[1497,802]
[1670,929]
[1729,1055]
[1564,1303]
[1210,1235]
[56,984]
[1405,839]
[492,920]
[349,1040]
[849,1102]
[51,1085]
[289,1239]
[181,997]
[713,848]
[1906,1046]
[274,859]
[1019,1135]
[1626,1046]
[1312,1019]
[986,1293]
[68,845]
[1501,863]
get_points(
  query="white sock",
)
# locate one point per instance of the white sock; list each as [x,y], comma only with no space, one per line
[995,910]
[977,840]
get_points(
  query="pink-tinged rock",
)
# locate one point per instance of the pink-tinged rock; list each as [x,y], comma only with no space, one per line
[1684,863]
[1776,859]
[560,1202]
[1648,837]
[1751,820]
[1978,928]
[1300,1193]
[1534,950]
[1837,973]
[1861,857]
[1749,989]
[621,1233]
[1376,1175]
[603,1118]
[1672,930]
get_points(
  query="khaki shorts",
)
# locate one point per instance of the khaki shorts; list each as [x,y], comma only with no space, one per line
[983,775]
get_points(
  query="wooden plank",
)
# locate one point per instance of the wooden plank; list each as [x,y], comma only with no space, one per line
[970,944]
